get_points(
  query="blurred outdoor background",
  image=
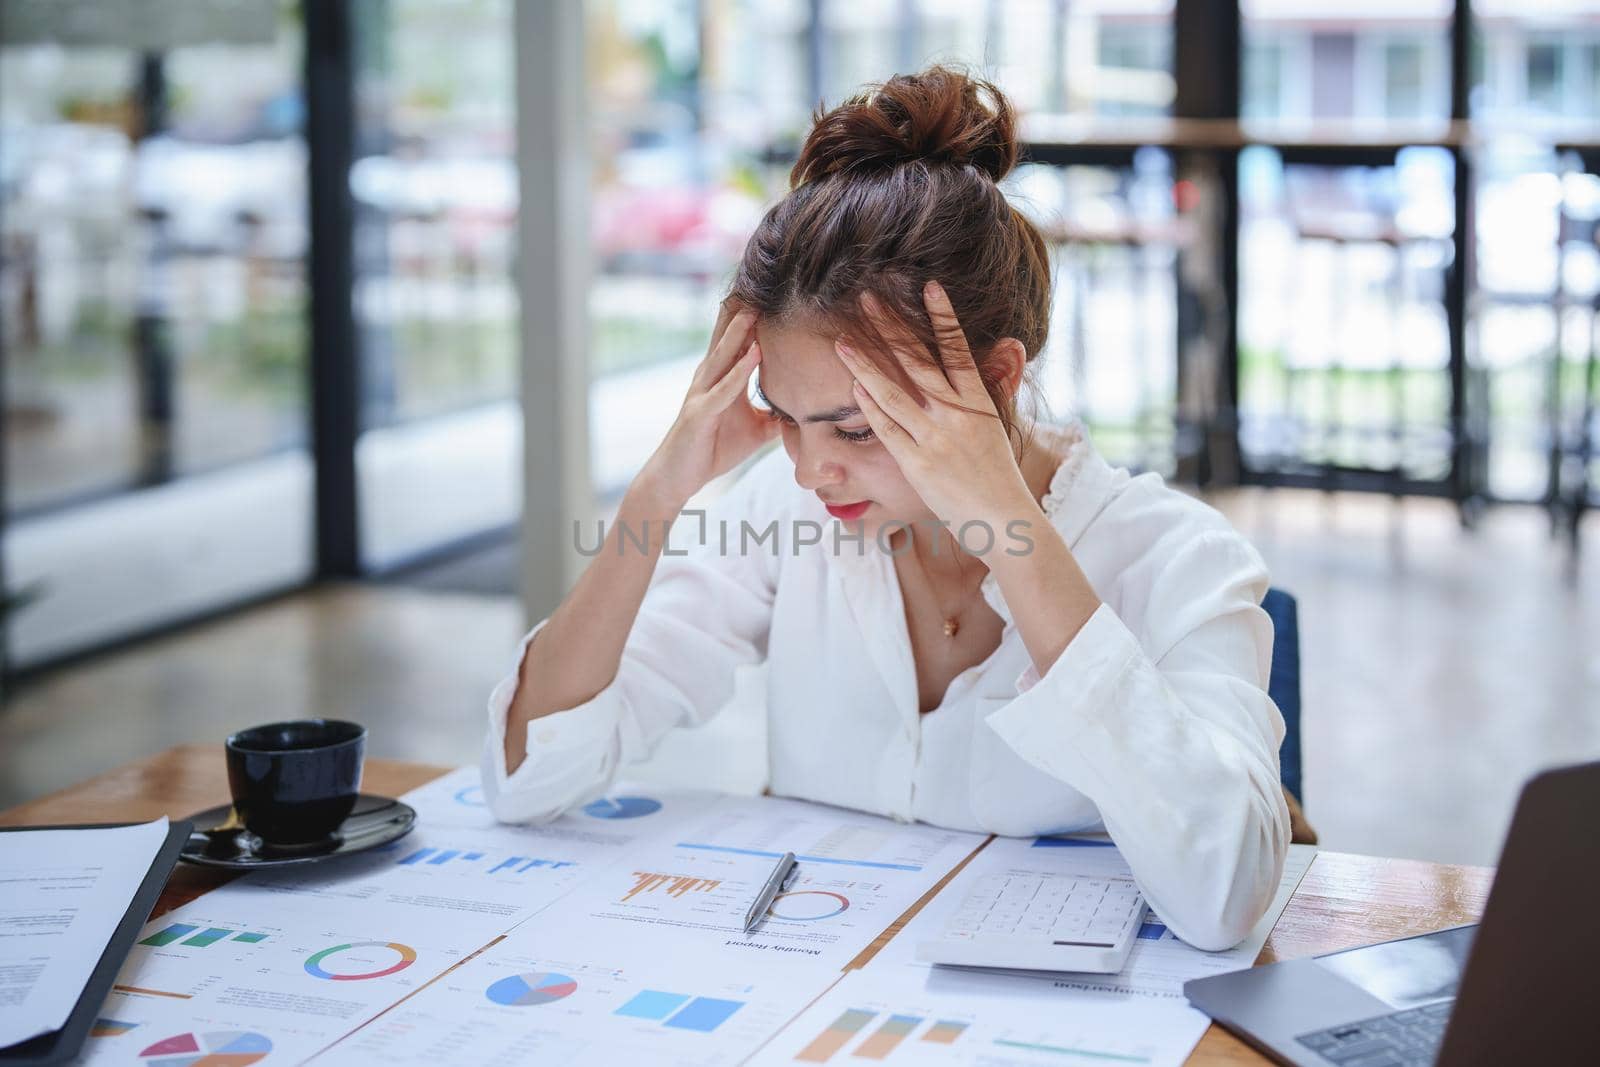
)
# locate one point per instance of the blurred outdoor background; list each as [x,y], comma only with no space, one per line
[1303,254]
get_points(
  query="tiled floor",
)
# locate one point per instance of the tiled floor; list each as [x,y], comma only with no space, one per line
[1440,668]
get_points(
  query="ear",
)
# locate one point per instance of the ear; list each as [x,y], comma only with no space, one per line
[1008,359]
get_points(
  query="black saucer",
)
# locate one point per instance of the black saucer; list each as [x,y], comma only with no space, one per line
[220,841]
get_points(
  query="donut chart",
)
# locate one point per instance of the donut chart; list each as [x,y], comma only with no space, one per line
[223,1049]
[407,956]
[808,905]
[526,990]
[621,807]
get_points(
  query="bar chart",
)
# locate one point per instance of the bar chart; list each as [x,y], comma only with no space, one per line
[673,885]
[440,857]
[881,1033]
[194,936]
[680,1011]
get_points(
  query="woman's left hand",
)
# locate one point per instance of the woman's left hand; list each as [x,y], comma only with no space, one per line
[959,461]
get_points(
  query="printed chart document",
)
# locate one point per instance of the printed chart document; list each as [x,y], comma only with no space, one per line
[519,1003]
[856,875]
[627,812]
[898,1008]
[289,961]
[62,895]
[907,1015]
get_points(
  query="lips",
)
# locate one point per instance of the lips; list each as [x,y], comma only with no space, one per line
[848,511]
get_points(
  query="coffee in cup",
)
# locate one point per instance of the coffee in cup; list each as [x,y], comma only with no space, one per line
[293,783]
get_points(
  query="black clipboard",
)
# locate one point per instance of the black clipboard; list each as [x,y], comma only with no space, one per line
[59,1046]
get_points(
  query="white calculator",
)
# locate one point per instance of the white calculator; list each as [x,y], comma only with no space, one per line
[1042,922]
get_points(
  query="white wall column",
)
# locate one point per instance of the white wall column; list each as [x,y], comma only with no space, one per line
[553,283]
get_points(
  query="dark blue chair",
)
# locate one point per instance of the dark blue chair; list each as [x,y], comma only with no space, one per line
[1283,685]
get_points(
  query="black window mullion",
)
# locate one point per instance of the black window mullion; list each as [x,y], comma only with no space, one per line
[334,363]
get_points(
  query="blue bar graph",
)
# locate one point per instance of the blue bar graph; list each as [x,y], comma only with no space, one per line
[652,1004]
[439,856]
[527,864]
[169,935]
[704,1014]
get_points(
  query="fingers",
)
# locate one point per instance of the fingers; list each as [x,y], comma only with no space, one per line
[725,314]
[888,397]
[738,333]
[736,382]
[915,359]
[959,364]
[891,433]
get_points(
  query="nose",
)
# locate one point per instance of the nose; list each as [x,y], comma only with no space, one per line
[813,467]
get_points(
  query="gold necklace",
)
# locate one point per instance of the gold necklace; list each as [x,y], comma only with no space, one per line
[952,622]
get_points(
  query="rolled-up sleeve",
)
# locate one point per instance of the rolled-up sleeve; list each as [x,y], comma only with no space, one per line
[1170,732]
[705,613]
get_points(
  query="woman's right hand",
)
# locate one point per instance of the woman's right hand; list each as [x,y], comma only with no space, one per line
[717,427]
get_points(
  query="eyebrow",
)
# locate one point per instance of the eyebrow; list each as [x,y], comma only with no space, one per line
[838,414]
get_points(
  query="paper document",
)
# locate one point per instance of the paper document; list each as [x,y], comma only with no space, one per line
[909,1015]
[62,894]
[518,1003]
[899,1008]
[856,874]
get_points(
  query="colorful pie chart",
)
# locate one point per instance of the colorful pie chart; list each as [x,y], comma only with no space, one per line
[622,807]
[524,990]
[361,960]
[224,1049]
[805,905]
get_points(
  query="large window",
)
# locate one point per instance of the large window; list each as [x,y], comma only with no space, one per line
[435,188]
[153,294]
[697,108]
[1330,61]
[1532,323]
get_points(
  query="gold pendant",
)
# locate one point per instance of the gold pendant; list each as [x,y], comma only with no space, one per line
[951,626]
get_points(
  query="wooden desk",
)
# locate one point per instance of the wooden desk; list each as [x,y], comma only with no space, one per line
[1345,900]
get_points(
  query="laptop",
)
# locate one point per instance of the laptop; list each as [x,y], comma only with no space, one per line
[1520,987]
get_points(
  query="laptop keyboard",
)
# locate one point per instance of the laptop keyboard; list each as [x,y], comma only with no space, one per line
[1407,1038]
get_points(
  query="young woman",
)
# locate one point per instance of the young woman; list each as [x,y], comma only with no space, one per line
[968,617]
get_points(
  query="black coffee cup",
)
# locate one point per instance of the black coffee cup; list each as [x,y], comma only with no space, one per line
[293,783]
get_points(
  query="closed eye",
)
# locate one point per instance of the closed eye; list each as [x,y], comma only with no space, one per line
[859,437]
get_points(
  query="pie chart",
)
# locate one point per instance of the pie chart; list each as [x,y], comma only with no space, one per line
[808,905]
[622,807]
[524,990]
[233,1048]
[360,960]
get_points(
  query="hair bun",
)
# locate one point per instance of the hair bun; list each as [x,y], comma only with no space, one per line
[937,116]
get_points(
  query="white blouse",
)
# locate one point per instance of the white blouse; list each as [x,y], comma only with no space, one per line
[1153,723]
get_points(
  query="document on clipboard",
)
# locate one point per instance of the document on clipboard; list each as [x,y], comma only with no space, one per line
[71,900]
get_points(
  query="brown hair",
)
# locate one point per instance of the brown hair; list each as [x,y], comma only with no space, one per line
[895,187]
